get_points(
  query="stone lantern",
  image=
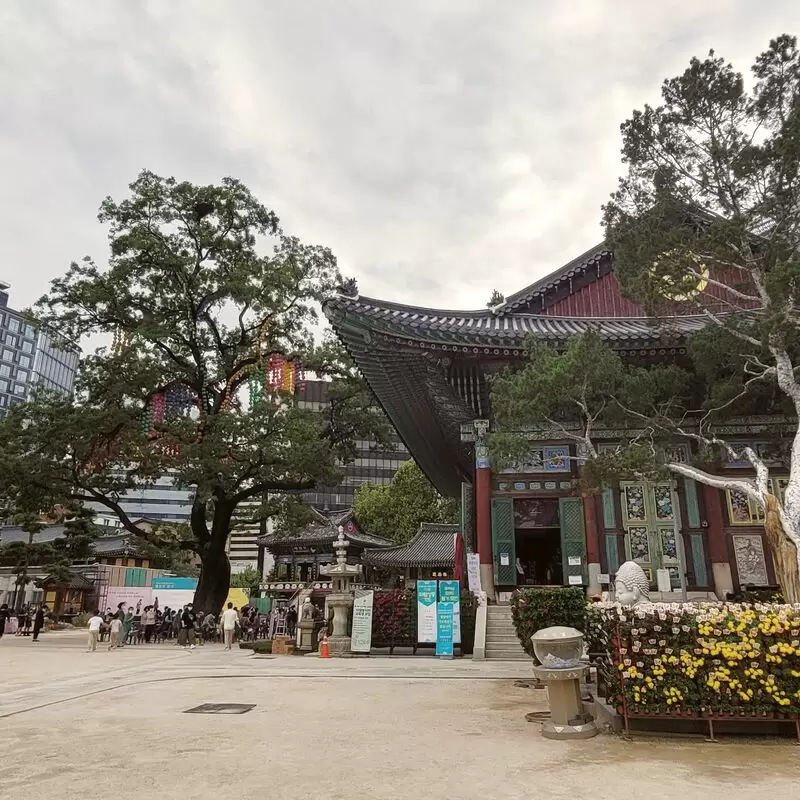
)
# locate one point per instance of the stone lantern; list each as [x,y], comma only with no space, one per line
[340,601]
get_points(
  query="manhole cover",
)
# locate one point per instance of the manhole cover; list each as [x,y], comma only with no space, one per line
[221,708]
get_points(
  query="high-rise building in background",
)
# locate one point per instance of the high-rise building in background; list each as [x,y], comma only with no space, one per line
[371,465]
[30,357]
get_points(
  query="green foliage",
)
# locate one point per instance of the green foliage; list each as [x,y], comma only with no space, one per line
[259,646]
[82,620]
[396,510]
[577,390]
[246,579]
[170,547]
[534,609]
[706,216]
[202,286]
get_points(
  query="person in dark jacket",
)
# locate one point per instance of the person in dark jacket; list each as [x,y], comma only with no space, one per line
[38,621]
[5,614]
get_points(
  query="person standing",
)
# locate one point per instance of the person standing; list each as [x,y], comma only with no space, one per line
[187,626]
[127,625]
[229,620]
[116,633]
[291,621]
[38,621]
[149,620]
[5,614]
[94,631]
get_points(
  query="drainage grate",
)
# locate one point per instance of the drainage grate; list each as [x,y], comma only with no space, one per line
[221,708]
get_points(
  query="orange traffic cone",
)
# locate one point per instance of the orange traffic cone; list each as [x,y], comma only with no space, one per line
[323,648]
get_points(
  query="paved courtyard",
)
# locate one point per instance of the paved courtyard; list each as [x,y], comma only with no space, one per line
[110,725]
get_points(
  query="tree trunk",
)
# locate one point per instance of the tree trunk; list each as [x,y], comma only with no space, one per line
[784,552]
[214,581]
[215,567]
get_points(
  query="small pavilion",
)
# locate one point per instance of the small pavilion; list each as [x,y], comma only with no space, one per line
[299,556]
[431,553]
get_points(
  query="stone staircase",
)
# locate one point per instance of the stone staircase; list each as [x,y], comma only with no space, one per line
[502,643]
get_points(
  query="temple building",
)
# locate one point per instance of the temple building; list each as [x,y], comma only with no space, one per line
[299,557]
[532,525]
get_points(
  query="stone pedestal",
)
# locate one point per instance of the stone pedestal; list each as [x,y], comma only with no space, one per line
[567,717]
[306,629]
[341,601]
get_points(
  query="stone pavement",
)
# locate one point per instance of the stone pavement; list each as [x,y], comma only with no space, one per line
[109,725]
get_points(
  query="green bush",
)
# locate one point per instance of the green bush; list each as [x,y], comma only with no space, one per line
[534,609]
[81,620]
[259,646]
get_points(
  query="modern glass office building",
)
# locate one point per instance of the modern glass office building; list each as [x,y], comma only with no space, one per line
[30,357]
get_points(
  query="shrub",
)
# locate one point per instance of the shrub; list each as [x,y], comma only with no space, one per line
[391,619]
[81,620]
[717,659]
[534,609]
[260,646]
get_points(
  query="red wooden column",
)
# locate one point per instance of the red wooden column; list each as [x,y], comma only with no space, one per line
[717,541]
[592,533]
[483,516]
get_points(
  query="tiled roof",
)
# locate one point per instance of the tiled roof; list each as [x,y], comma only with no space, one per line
[325,529]
[577,266]
[104,545]
[485,327]
[433,545]
[75,581]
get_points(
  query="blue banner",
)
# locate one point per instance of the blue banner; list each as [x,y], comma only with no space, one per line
[173,583]
[445,617]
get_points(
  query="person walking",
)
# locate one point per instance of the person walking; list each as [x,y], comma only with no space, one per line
[38,621]
[94,631]
[229,620]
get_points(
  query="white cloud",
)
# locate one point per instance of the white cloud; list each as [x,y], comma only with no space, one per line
[440,149]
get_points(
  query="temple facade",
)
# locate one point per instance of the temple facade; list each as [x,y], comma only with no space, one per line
[533,525]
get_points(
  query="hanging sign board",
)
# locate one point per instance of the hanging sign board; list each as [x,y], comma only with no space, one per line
[361,640]
[426,612]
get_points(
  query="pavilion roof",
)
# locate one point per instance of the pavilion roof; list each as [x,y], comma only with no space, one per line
[75,581]
[324,529]
[433,545]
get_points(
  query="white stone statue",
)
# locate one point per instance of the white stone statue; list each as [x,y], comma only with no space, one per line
[308,609]
[632,586]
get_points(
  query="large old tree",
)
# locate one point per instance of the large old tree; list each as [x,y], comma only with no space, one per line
[707,221]
[212,309]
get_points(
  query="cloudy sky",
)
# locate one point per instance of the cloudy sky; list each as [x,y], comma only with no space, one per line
[441,148]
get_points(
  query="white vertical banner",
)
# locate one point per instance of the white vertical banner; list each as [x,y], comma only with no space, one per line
[474,573]
[426,612]
[361,637]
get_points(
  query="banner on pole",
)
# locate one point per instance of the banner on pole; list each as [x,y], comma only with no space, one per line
[361,637]
[426,612]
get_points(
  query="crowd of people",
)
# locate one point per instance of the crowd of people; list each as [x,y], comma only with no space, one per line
[184,626]
[30,619]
